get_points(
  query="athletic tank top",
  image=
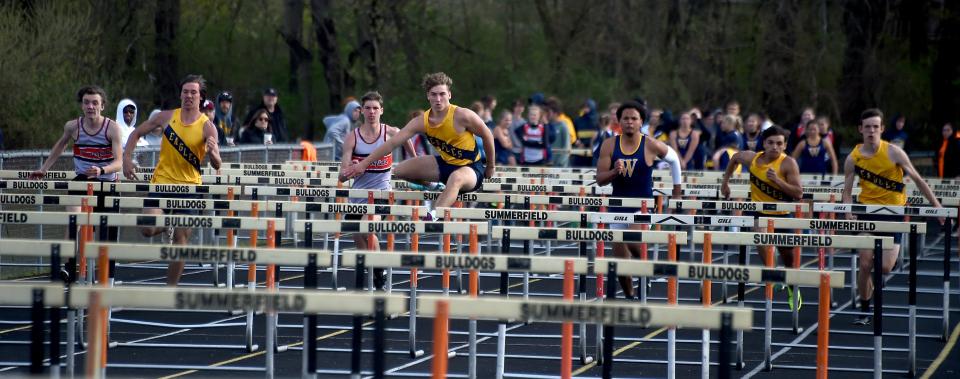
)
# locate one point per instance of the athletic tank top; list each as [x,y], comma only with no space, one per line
[536,134]
[683,145]
[455,149]
[761,188]
[503,154]
[881,180]
[377,175]
[93,150]
[638,181]
[813,159]
[181,151]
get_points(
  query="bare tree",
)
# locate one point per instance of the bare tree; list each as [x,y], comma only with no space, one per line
[166,22]
[329,52]
[300,58]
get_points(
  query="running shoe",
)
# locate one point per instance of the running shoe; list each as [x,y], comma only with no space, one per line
[862,320]
[427,187]
[790,299]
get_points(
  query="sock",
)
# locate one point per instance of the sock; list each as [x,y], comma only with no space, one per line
[865,305]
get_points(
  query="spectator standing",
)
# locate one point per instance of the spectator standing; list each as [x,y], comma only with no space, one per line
[897,134]
[797,133]
[127,120]
[502,141]
[536,139]
[686,142]
[208,110]
[277,121]
[223,119]
[729,141]
[604,131]
[489,103]
[256,132]
[518,108]
[814,152]
[827,132]
[561,131]
[751,133]
[948,156]
[339,125]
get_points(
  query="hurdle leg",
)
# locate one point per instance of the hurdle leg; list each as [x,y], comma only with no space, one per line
[526,275]
[741,292]
[379,337]
[356,341]
[768,315]
[504,293]
[912,301]
[672,300]
[947,250]
[269,343]
[71,342]
[608,331]
[877,309]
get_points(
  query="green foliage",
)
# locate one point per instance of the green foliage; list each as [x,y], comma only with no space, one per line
[772,56]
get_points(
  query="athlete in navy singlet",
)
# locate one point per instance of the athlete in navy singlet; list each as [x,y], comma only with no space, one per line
[627,162]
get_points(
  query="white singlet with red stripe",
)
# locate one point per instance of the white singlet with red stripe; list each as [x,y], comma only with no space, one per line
[93,150]
[377,175]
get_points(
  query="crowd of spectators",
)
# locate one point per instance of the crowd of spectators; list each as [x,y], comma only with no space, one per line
[537,131]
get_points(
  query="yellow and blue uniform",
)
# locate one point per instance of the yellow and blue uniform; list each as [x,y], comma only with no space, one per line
[763,189]
[181,156]
[881,183]
[455,149]
[881,179]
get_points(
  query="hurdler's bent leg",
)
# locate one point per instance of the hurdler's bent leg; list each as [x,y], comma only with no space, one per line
[181,236]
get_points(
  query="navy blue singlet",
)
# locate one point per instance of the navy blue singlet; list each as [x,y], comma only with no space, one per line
[638,183]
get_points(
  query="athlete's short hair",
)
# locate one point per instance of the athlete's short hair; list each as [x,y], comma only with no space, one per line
[435,79]
[632,105]
[773,131]
[194,78]
[371,96]
[872,112]
[92,90]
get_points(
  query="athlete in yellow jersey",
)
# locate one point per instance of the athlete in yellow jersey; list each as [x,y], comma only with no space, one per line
[774,177]
[188,137]
[880,167]
[451,130]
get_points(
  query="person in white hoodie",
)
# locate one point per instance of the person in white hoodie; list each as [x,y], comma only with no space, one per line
[127,120]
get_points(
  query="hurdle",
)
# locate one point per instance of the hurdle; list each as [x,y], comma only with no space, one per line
[104,220]
[785,239]
[356,304]
[415,228]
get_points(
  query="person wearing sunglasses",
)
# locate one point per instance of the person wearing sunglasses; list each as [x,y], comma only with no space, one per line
[258,132]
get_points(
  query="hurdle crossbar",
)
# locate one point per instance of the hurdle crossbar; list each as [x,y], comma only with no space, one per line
[36,248]
[420,227]
[608,313]
[886,210]
[32,199]
[581,265]
[432,196]
[114,219]
[211,254]
[790,240]
[844,225]
[751,206]
[574,234]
